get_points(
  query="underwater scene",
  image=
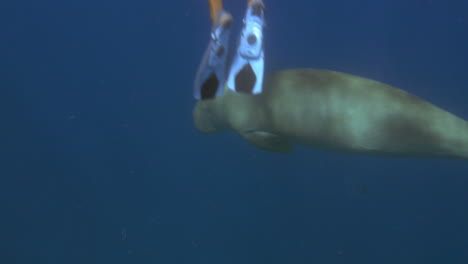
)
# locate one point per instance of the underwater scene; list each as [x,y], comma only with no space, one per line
[235,131]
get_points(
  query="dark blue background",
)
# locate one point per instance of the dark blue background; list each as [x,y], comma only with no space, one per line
[100,162]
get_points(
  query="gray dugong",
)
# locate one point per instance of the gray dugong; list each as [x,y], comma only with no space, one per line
[335,111]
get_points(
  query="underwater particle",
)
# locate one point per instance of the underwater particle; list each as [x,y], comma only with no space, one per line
[123,234]
[73,116]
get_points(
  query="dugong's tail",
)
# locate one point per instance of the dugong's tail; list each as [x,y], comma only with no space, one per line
[418,128]
[430,129]
[463,153]
[456,143]
[456,139]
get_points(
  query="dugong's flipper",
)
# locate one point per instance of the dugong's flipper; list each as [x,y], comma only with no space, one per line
[267,141]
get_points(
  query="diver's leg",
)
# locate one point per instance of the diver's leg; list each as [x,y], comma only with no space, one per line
[246,73]
[215,7]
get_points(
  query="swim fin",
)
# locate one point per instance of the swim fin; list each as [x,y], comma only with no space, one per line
[210,78]
[246,73]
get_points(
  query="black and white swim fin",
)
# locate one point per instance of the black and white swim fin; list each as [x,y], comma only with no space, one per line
[210,78]
[246,73]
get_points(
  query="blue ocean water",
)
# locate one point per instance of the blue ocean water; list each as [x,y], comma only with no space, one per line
[101,162]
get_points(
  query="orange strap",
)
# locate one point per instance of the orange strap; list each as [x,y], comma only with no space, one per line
[215,6]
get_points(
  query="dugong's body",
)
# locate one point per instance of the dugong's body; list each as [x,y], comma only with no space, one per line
[335,111]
